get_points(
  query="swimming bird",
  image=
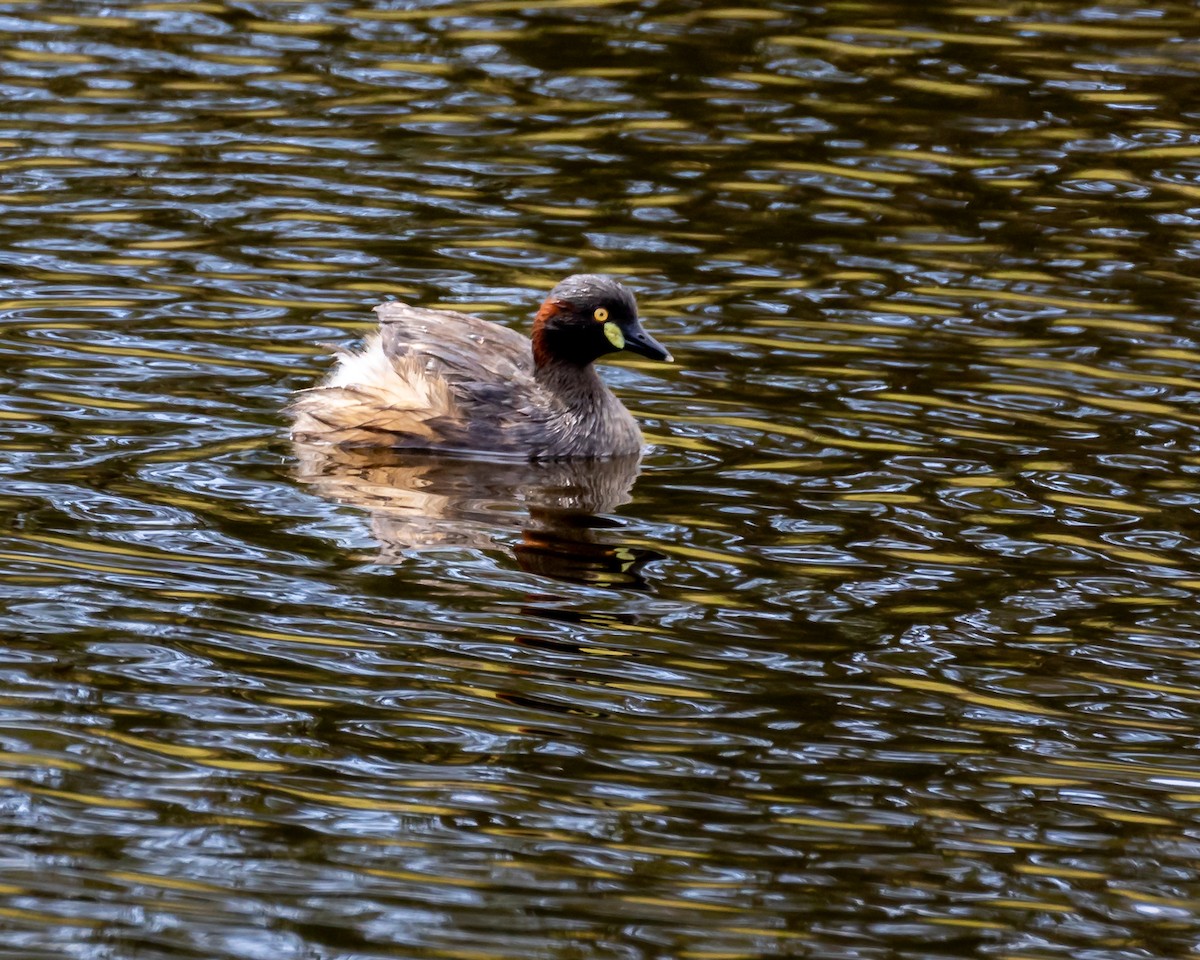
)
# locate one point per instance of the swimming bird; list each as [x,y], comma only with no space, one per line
[442,381]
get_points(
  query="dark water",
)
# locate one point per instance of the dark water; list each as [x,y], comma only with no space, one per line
[890,650]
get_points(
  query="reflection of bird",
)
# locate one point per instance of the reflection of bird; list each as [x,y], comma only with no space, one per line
[420,501]
[437,380]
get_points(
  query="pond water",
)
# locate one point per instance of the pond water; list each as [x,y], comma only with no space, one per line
[888,648]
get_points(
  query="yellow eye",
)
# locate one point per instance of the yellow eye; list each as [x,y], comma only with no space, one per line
[601,315]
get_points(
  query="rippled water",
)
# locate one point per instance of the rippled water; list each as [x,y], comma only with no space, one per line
[890,649]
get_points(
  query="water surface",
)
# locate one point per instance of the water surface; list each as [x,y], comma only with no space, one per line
[887,649]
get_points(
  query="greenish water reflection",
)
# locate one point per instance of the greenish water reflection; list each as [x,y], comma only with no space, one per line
[887,649]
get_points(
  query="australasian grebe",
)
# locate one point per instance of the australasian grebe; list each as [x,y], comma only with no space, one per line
[437,380]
